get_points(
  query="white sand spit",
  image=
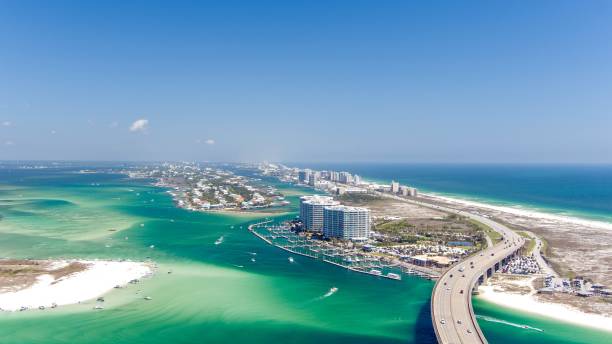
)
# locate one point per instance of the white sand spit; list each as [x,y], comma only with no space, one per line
[99,278]
[527,303]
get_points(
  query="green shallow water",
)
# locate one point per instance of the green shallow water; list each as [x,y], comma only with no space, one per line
[215,293]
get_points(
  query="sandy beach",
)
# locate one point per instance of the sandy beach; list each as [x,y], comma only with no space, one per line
[528,303]
[523,212]
[96,279]
[574,246]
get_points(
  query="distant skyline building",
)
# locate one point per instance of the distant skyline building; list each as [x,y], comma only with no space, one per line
[344,222]
[304,176]
[345,178]
[334,176]
[313,178]
[311,210]
[395,186]
[357,180]
[408,191]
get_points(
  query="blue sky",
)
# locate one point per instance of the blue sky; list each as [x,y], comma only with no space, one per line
[431,81]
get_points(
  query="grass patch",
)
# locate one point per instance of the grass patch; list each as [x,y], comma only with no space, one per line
[358,197]
[529,242]
[488,231]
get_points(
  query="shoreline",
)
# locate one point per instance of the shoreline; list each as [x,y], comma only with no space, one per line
[557,311]
[532,211]
[98,278]
[524,211]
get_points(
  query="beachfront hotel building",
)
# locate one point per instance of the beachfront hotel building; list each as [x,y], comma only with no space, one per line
[311,210]
[395,187]
[344,222]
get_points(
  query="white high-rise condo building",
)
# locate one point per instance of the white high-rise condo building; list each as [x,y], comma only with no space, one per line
[351,223]
[304,176]
[313,179]
[311,210]
[395,186]
[345,178]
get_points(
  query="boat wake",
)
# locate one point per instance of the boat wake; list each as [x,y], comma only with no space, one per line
[499,321]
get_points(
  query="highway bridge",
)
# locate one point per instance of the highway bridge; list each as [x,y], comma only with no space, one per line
[452,314]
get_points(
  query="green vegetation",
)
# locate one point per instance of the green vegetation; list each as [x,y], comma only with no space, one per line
[394,227]
[401,230]
[488,231]
[358,198]
[529,242]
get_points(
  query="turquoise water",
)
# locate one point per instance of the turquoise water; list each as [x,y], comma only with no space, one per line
[215,293]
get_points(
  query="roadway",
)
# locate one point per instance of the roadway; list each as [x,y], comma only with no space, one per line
[537,255]
[451,303]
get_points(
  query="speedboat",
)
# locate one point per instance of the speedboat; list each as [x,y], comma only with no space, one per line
[290,259]
[219,241]
[148,298]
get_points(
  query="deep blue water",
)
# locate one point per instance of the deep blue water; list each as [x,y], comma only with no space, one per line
[577,190]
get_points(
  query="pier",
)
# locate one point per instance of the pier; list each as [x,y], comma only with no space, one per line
[285,239]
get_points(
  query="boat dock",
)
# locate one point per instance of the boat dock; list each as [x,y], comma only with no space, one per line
[285,239]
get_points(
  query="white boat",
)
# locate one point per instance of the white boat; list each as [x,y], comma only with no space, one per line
[394,276]
[219,241]
[331,292]
[148,298]
[376,272]
[98,307]
[290,259]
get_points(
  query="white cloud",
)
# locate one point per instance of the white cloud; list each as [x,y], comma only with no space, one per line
[210,142]
[7,123]
[139,125]
[9,143]
[53,132]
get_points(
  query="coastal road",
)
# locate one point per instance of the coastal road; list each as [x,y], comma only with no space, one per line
[537,255]
[451,302]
